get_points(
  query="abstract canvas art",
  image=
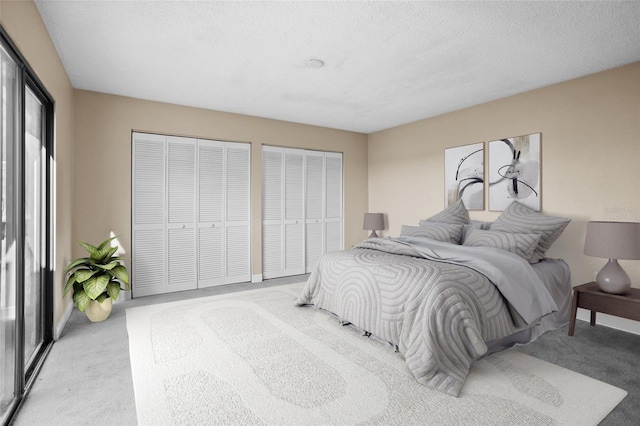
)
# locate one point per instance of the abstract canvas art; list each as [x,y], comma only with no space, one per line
[514,172]
[464,176]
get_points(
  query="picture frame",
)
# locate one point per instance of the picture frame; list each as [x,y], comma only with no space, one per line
[464,175]
[515,172]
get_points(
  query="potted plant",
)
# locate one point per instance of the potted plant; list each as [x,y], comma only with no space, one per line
[96,280]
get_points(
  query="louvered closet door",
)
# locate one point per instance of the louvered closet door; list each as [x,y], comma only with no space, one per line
[238,212]
[314,208]
[181,214]
[148,215]
[333,209]
[301,209]
[294,248]
[223,224]
[282,212]
[272,212]
[211,238]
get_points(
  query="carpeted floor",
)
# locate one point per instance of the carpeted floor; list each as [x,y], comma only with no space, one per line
[87,377]
[603,353]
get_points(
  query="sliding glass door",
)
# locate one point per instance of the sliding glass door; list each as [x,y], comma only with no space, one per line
[8,231]
[34,217]
[26,114]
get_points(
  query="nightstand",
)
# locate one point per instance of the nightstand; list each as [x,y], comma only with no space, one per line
[589,296]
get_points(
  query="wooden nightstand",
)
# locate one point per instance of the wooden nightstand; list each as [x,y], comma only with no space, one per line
[589,296]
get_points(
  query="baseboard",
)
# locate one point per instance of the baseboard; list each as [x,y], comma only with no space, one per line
[611,321]
[256,278]
[63,322]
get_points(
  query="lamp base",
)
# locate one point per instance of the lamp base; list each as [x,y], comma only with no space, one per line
[373,234]
[613,279]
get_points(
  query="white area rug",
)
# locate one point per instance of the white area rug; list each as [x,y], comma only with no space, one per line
[255,358]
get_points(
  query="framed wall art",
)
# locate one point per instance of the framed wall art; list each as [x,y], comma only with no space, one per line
[514,172]
[464,176]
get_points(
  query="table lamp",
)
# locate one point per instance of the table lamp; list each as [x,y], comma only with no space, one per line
[613,241]
[373,222]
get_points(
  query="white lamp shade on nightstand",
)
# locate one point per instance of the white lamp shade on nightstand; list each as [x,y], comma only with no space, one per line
[373,222]
[613,241]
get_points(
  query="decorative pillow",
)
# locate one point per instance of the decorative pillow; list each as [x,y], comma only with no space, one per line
[445,232]
[521,244]
[454,229]
[455,213]
[520,219]
[479,224]
[473,224]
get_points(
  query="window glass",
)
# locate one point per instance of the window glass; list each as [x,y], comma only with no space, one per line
[8,231]
[33,221]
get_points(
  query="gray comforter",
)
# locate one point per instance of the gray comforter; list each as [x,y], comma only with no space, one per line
[437,302]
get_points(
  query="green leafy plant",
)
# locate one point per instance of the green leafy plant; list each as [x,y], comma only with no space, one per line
[98,276]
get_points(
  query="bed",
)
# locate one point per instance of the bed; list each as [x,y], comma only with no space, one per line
[440,302]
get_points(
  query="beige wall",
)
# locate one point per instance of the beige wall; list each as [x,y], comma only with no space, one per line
[590,158]
[103,160]
[22,22]
[93,177]
[590,153]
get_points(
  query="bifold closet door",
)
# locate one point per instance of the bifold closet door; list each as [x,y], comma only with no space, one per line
[211,250]
[191,224]
[314,208]
[223,213]
[323,195]
[294,257]
[272,198]
[301,209]
[149,265]
[181,214]
[333,205]
[164,232]
[282,212]
[238,212]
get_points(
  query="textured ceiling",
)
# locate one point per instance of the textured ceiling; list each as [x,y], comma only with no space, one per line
[386,63]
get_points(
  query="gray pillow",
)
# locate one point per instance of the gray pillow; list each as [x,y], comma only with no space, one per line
[473,224]
[520,219]
[445,232]
[455,213]
[521,244]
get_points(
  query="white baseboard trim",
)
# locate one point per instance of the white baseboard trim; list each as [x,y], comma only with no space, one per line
[611,321]
[63,322]
[257,278]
